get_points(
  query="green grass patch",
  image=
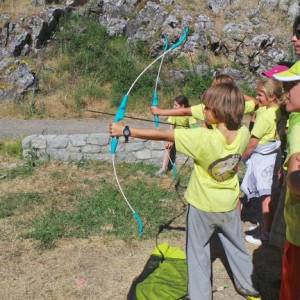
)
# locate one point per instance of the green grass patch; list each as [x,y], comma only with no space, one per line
[12,148]
[94,60]
[88,52]
[18,202]
[105,212]
[90,89]
[195,85]
[124,169]
[128,169]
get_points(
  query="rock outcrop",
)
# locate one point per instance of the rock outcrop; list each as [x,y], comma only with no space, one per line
[244,41]
[19,40]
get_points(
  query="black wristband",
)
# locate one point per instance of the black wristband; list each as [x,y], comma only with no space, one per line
[126,133]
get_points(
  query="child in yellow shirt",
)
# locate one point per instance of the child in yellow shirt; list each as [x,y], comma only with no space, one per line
[197,111]
[176,122]
[213,190]
[290,288]
[261,153]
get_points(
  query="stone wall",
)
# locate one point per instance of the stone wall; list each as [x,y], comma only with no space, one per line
[93,146]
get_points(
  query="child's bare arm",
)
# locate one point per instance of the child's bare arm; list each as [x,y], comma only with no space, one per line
[183,111]
[250,148]
[293,177]
[116,129]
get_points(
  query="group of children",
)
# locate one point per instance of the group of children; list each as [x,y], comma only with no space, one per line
[213,191]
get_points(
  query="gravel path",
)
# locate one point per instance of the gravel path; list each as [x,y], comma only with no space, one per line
[15,128]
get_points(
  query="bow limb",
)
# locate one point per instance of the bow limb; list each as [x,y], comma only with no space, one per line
[180,41]
[155,100]
[113,148]
[120,116]
[134,212]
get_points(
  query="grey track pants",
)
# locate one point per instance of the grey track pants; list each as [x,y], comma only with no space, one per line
[200,227]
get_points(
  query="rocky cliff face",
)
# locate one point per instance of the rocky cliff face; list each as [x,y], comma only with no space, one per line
[246,34]
[18,40]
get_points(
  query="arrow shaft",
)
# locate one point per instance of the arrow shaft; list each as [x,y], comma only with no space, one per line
[130,117]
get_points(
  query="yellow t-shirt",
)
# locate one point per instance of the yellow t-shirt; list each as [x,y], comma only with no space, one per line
[265,124]
[214,185]
[182,121]
[198,110]
[292,202]
[249,107]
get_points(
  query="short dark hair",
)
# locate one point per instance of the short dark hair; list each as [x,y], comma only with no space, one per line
[182,101]
[223,78]
[296,23]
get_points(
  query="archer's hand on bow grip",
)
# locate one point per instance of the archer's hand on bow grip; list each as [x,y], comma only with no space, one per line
[118,117]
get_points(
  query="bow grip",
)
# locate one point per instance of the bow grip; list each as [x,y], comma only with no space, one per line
[166,43]
[114,144]
[155,104]
[181,39]
[118,117]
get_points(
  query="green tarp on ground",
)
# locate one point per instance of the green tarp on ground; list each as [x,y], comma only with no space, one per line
[164,276]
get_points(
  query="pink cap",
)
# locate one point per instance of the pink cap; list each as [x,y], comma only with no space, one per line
[276,69]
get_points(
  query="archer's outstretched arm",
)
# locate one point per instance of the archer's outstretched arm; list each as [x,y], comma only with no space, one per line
[183,111]
[116,129]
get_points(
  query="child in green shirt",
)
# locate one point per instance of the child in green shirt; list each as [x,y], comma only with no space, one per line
[176,122]
[261,153]
[213,189]
[290,288]
[197,111]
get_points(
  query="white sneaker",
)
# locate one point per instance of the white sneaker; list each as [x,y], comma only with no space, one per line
[255,240]
[253,227]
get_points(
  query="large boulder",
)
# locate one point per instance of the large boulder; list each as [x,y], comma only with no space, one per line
[19,39]
[16,81]
[147,23]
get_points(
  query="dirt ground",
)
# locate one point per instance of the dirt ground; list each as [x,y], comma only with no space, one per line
[101,268]
[97,268]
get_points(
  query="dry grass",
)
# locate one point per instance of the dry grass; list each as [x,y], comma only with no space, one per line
[74,269]
[195,7]
[278,25]
[61,178]
[18,8]
[219,60]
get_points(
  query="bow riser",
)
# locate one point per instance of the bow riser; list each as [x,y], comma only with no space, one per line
[118,117]
[155,104]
